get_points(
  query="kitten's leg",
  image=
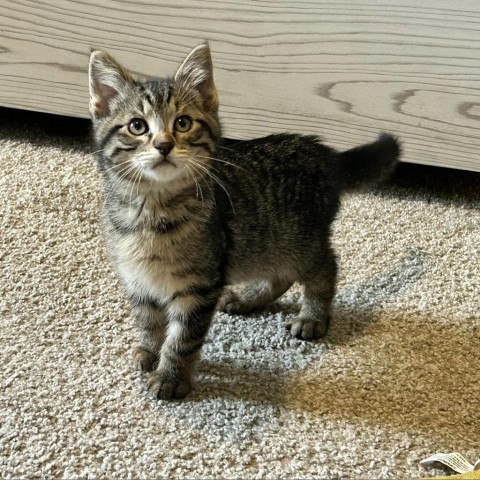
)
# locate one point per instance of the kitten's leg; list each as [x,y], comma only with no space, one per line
[314,317]
[151,320]
[189,319]
[253,297]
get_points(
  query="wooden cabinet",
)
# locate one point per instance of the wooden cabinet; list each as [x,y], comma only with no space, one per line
[344,69]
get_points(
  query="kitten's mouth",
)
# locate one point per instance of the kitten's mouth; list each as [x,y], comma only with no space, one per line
[163,163]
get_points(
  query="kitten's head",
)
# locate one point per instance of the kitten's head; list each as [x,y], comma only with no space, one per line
[154,131]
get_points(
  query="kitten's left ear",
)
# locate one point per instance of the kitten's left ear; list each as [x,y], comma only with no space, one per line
[107,80]
[196,72]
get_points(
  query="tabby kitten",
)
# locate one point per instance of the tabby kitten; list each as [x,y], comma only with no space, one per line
[186,215]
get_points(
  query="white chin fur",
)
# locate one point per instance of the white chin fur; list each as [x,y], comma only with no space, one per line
[159,172]
[163,173]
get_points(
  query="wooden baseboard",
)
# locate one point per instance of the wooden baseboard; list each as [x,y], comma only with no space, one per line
[342,69]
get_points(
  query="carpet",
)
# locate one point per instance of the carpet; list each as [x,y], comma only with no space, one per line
[395,380]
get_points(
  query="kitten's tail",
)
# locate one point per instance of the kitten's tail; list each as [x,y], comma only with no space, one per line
[369,164]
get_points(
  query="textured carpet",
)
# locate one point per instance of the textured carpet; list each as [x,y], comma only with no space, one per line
[396,380]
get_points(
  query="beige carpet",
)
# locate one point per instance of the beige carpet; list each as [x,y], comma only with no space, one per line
[397,378]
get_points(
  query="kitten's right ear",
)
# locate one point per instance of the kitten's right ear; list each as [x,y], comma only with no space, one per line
[107,80]
[196,72]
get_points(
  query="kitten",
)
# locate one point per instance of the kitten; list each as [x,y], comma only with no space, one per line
[186,215]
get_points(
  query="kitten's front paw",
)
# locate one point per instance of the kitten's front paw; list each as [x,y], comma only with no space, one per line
[164,387]
[308,329]
[144,360]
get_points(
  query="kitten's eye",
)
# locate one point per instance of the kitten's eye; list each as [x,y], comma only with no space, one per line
[183,123]
[137,126]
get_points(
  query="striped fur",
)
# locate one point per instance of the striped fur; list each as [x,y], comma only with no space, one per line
[187,215]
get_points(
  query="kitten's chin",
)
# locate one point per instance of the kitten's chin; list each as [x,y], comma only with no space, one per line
[160,170]
[163,173]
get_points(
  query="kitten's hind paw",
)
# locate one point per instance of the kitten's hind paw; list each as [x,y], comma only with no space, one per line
[165,387]
[307,329]
[237,308]
[230,303]
[144,360]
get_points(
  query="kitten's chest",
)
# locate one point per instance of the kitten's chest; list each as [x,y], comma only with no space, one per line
[149,264]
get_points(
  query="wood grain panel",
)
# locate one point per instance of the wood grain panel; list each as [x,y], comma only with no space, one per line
[344,69]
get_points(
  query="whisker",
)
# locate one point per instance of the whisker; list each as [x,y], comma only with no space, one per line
[195,168]
[116,181]
[198,187]
[221,161]
[131,186]
[138,175]
[139,180]
[117,165]
[97,151]
[226,148]
[124,172]
[216,179]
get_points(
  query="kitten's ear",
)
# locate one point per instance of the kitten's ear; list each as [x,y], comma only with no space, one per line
[107,79]
[196,72]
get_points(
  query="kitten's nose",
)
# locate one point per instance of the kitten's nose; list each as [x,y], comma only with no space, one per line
[164,147]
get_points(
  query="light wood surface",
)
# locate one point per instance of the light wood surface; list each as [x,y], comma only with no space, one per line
[344,69]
